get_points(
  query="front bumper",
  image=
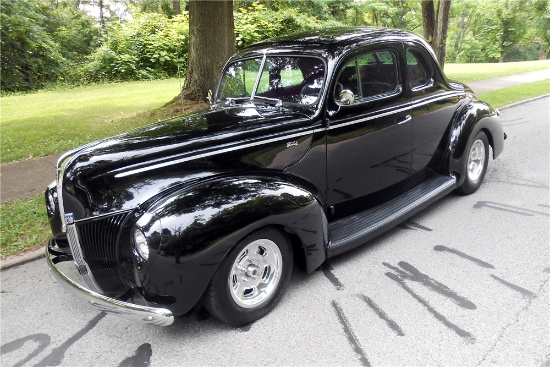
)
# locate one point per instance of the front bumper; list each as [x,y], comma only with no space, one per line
[131,311]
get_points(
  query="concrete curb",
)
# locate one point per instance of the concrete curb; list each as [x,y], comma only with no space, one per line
[17,260]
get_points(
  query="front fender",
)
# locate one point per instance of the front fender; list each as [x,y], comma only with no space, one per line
[199,225]
[470,119]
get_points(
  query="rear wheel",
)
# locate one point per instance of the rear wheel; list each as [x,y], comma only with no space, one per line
[476,164]
[251,279]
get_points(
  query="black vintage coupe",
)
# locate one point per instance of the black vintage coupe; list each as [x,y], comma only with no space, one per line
[314,144]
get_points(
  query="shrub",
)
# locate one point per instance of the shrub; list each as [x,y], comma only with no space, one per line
[150,46]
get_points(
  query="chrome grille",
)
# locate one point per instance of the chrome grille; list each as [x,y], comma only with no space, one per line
[79,262]
[98,244]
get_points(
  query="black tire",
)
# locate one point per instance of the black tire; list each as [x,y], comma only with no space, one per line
[476,154]
[249,260]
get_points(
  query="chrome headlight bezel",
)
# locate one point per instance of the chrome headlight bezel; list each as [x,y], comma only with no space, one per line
[141,245]
[51,198]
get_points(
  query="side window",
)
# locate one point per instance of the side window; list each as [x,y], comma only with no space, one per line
[418,72]
[369,76]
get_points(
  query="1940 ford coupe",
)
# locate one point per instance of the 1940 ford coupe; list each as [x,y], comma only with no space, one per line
[314,144]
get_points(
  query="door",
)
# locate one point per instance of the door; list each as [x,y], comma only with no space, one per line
[369,141]
[433,104]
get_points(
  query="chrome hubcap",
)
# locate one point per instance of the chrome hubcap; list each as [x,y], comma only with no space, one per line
[476,160]
[255,273]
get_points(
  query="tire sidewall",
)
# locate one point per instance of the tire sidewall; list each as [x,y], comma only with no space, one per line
[470,186]
[226,308]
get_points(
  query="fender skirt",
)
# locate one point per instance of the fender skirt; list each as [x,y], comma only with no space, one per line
[192,230]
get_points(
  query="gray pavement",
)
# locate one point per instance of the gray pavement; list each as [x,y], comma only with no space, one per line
[24,179]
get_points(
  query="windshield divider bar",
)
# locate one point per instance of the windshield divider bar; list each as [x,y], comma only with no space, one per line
[258,78]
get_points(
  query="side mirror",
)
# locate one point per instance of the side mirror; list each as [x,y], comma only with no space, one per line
[346,97]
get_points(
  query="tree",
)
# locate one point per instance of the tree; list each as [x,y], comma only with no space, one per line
[41,41]
[540,32]
[211,42]
[435,25]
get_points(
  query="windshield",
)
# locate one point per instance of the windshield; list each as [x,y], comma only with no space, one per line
[290,79]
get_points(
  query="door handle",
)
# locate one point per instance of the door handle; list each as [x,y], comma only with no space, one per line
[402,120]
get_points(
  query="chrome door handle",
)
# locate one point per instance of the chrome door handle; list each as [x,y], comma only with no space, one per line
[402,120]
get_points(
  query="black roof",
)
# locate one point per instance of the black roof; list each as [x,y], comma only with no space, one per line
[332,39]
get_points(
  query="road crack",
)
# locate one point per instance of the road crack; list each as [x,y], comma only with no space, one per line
[516,320]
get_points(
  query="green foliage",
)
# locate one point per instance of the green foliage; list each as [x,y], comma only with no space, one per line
[498,30]
[393,13]
[257,22]
[24,225]
[41,43]
[149,46]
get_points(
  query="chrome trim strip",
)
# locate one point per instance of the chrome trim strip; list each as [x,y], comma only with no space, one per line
[216,152]
[131,311]
[403,109]
[101,216]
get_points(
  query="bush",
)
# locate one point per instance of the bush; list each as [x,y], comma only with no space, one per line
[257,22]
[150,46]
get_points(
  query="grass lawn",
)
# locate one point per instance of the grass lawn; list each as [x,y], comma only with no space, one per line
[44,123]
[469,72]
[502,97]
[24,225]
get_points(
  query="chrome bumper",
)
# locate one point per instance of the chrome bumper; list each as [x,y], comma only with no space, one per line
[145,314]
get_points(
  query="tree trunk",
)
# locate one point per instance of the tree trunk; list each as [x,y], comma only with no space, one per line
[440,35]
[211,42]
[176,6]
[428,19]
[543,52]
[101,15]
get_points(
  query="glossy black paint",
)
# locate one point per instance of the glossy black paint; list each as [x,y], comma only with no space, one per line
[199,183]
[192,230]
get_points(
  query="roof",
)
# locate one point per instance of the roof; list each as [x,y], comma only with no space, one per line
[331,39]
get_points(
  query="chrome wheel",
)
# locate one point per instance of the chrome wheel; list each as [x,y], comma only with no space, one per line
[476,160]
[255,273]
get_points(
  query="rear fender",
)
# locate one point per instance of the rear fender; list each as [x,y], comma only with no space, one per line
[469,120]
[193,229]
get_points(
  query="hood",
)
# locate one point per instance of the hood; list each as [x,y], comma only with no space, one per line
[120,172]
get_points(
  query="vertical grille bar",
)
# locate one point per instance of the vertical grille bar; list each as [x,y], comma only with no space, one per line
[79,262]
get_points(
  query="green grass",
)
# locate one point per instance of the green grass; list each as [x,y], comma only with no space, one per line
[469,72]
[44,123]
[505,96]
[24,224]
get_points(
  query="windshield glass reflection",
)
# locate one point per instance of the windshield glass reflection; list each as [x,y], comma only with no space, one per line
[273,80]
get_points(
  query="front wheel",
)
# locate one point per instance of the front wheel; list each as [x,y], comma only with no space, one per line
[476,164]
[251,279]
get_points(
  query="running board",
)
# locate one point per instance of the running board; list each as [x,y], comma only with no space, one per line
[355,230]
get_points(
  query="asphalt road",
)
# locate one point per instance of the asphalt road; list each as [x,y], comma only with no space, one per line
[476,273]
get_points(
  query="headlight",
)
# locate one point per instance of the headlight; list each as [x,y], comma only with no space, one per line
[50,199]
[140,241]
